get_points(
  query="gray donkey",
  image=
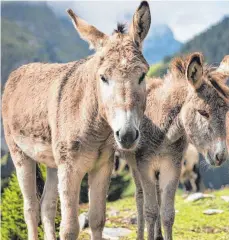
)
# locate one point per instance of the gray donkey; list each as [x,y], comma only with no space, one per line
[63,115]
[189,105]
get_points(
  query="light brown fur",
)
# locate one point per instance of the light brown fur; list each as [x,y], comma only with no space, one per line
[63,115]
[190,159]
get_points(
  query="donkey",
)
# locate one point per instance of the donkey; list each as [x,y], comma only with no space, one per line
[190,177]
[63,115]
[188,106]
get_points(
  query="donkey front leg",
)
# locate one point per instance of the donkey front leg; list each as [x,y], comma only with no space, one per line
[169,178]
[71,169]
[69,177]
[99,180]
[26,174]
[48,204]
[150,201]
[140,203]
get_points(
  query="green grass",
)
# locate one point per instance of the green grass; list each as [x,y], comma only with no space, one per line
[158,69]
[154,68]
[4,159]
[190,222]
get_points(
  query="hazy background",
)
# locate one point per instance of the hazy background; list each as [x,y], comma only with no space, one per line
[184,18]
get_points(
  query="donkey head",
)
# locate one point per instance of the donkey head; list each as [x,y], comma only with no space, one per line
[119,69]
[205,109]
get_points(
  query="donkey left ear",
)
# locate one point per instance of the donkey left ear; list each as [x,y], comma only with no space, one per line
[194,71]
[140,24]
[89,33]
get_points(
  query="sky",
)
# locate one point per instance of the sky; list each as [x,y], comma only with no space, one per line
[185,18]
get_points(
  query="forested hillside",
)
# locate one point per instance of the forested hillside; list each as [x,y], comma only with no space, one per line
[32,32]
[213,43]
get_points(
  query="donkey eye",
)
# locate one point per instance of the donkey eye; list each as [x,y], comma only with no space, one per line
[204,113]
[141,78]
[103,79]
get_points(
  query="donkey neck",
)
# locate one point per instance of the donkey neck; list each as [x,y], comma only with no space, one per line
[79,100]
[164,102]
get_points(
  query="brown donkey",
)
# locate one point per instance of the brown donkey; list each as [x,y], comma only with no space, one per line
[189,105]
[63,115]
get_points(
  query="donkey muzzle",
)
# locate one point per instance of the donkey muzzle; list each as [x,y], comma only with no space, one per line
[219,154]
[127,138]
[220,158]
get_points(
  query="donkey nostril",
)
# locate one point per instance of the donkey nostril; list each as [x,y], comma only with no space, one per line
[117,134]
[137,134]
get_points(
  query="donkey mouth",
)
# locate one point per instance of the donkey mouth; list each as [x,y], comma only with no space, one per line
[127,146]
[218,161]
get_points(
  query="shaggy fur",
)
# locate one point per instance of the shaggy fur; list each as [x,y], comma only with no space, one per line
[183,107]
[61,115]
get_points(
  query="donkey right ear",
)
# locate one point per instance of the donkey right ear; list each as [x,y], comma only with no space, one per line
[194,71]
[89,33]
[140,24]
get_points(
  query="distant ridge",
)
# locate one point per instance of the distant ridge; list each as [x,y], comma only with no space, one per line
[33,32]
[213,43]
[160,43]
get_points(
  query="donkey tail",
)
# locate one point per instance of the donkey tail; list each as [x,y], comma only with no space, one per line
[39,181]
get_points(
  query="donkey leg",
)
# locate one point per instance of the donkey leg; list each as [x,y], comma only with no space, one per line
[99,180]
[158,232]
[150,201]
[48,204]
[169,178]
[139,204]
[69,177]
[26,174]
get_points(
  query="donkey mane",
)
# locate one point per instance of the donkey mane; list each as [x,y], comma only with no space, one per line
[216,79]
[121,28]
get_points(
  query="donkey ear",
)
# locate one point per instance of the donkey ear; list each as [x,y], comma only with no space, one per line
[224,65]
[194,70]
[89,33]
[141,23]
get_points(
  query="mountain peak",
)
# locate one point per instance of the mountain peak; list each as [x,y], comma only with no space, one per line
[160,43]
[160,30]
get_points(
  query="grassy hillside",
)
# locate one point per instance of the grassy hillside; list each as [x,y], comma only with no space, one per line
[32,32]
[213,43]
[190,222]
